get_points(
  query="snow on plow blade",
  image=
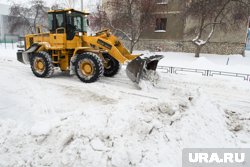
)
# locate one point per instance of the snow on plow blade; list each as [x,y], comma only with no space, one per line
[138,67]
[23,56]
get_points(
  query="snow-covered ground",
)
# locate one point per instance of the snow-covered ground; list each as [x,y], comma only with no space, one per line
[61,121]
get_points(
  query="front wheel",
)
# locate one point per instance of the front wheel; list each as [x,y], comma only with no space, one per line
[41,65]
[88,67]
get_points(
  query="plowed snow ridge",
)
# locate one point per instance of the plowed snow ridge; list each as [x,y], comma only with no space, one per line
[63,122]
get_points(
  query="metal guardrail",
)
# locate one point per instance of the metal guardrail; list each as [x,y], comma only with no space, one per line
[209,73]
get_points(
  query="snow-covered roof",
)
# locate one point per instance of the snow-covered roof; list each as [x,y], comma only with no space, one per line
[4,9]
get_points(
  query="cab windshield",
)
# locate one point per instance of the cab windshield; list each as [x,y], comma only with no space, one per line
[78,21]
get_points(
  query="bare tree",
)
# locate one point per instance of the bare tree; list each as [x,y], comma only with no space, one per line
[68,3]
[98,19]
[212,14]
[28,17]
[56,6]
[127,18]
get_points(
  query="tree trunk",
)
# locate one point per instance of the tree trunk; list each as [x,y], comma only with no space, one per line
[132,44]
[198,50]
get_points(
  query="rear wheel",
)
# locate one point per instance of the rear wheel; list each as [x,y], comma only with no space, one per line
[111,67]
[41,65]
[88,67]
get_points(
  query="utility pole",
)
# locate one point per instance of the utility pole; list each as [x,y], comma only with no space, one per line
[81,5]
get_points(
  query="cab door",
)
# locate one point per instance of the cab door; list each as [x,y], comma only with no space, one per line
[58,31]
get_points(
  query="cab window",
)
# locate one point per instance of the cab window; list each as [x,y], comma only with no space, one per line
[75,19]
[50,22]
[78,23]
[59,20]
[55,20]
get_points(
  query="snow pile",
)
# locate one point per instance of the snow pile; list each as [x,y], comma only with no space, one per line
[63,122]
[226,63]
[148,134]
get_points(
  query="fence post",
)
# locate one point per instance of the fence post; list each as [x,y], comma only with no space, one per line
[5,41]
[228,60]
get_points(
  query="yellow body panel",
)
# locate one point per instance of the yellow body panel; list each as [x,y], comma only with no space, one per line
[66,42]
[110,43]
[62,50]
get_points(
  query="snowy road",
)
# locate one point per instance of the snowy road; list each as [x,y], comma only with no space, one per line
[62,122]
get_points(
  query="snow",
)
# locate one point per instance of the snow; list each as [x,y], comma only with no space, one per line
[61,121]
[227,63]
[199,42]
[160,31]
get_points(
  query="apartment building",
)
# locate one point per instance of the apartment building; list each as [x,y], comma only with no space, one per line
[5,34]
[172,32]
[169,23]
[4,12]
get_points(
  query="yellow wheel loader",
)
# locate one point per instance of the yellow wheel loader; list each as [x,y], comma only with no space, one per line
[68,47]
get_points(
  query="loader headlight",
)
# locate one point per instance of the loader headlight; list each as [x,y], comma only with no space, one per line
[80,34]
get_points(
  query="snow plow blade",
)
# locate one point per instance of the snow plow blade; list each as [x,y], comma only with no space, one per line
[23,56]
[138,67]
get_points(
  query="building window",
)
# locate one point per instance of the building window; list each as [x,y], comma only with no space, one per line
[162,1]
[161,25]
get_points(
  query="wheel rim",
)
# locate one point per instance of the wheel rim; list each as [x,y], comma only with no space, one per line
[39,65]
[87,68]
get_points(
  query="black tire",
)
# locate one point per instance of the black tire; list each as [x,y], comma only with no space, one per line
[92,60]
[112,67]
[45,58]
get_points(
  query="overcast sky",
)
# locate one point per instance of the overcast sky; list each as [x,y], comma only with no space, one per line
[88,4]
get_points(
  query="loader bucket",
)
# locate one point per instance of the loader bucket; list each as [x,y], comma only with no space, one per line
[138,67]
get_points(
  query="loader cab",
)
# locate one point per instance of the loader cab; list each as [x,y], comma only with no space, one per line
[69,21]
